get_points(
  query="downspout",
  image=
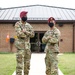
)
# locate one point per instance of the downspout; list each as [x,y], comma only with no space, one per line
[73,36]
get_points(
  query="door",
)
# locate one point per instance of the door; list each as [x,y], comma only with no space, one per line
[36,42]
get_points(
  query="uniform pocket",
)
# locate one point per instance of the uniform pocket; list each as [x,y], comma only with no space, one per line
[27,45]
[19,44]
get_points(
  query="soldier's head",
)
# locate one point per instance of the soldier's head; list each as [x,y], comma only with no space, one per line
[23,15]
[51,22]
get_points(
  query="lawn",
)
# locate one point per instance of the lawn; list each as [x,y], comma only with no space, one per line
[67,63]
[8,63]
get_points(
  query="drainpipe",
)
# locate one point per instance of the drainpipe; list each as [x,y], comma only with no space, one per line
[73,36]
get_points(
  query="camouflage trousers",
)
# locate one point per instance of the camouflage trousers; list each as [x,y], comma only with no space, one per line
[51,62]
[23,61]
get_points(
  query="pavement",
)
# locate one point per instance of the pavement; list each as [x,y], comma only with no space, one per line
[38,65]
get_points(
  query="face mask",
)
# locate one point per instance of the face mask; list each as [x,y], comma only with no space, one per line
[24,19]
[51,24]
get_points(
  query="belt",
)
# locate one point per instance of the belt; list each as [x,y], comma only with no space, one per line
[21,38]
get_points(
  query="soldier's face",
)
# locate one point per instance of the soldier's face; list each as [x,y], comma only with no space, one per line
[51,24]
[24,18]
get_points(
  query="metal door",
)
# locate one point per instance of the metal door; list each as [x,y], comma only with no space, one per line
[36,42]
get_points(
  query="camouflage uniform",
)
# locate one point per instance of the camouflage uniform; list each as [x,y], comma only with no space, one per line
[22,44]
[51,50]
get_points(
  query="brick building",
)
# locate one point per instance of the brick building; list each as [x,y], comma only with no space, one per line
[37,17]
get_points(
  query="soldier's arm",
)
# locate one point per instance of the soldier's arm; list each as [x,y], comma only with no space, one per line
[30,32]
[19,31]
[45,38]
[55,38]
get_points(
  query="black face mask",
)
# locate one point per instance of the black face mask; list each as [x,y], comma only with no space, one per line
[24,19]
[51,24]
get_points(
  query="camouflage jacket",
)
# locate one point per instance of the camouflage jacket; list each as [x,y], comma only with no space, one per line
[23,38]
[51,39]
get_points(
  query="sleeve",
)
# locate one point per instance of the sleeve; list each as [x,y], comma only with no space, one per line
[55,38]
[19,30]
[30,31]
[45,38]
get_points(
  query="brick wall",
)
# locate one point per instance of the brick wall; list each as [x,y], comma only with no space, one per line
[4,30]
[66,43]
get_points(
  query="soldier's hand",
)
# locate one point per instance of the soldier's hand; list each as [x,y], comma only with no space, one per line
[24,30]
[49,37]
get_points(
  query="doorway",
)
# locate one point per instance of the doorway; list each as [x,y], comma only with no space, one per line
[36,42]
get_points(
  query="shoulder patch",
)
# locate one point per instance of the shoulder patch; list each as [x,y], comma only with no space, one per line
[17,24]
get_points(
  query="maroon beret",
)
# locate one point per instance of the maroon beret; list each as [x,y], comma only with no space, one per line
[51,19]
[23,13]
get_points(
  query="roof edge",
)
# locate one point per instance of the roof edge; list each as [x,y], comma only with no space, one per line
[39,21]
[38,5]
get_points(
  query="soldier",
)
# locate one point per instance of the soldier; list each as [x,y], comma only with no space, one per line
[23,31]
[51,39]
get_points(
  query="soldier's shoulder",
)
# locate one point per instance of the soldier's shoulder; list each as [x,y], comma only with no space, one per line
[17,24]
[28,24]
[46,33]
[57,30]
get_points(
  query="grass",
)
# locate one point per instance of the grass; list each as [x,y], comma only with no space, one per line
[8,63]
[67,63]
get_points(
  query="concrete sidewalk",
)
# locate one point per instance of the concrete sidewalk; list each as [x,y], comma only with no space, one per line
[38,65]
